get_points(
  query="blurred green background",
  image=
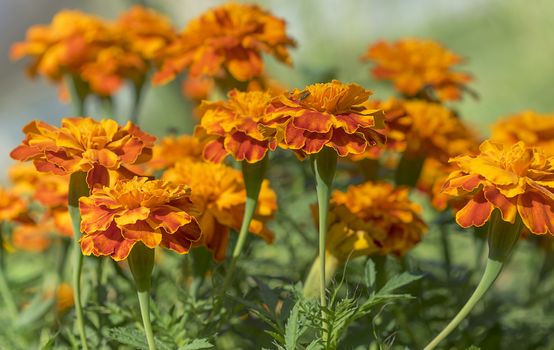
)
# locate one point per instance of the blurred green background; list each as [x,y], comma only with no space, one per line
[508,46]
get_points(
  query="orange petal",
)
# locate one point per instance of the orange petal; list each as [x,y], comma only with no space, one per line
[214,151]
[346,144]
[313,121]
[537,212]
[243,147]
[98,175]
[352,122]
[141,231]
[507,206]
[132,216]
[476,212]
[93,216]
[168,218]
[179,241]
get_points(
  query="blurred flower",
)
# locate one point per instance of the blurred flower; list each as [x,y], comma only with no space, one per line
[219,196]
[12,206]
[373,218]
[325,115]
[64,298]
[231,127]
[513,178]
[414,65]
[172,149]
[226,42]
[436,132]
[432,178]
[153,212]
[32,237]
[83,144]
[534,129]
[24,178]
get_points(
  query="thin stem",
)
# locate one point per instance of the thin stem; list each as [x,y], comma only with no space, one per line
[137,102]
[492,270]
[7,294]
[324,165]
[445,242]
[144,302]
[77,188]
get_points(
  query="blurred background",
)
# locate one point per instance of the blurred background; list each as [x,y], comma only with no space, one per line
[508,46]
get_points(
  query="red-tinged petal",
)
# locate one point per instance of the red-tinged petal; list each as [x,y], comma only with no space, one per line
[214,151]
[94,217]
[25,152]
[466,182]
[47,167]
[243,147]
[141,231]
[111,242]
[537,212]
[98,175]
[131,216]
[169,218]
[507,206]
[315,141]
[346,144]
[180,241]
[352,122]
[313,121]
[476,212]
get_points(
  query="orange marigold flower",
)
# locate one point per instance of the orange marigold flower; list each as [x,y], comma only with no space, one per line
[436,132]
[534,129]
[414,65]
[226,40]
[515,179]
[32,237]
[432,178]
[231,127]
[172,149]
[64,298]
[153,212]
[325,115]
[12,206]
[374,215]
[83,144]
[219,196]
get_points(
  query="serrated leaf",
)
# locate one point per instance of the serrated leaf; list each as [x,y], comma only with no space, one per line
[197,344]
[398,281]
[369,274]
[135,338]
[314,345]
[293,329]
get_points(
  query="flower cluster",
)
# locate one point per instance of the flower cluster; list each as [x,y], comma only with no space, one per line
[219,197]
[415,65]
[83,144]
[172,149]
[515,179]
[331,114]
[225,43]
[153,212]
[373,218]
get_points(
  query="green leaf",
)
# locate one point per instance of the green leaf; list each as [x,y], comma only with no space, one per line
[369,274]
[293,329]
[398,281]
[197,344]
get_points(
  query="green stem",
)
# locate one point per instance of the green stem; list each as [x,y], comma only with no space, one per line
[445,242]
[77,188]
[408,170]
[79,92]
[492,270]
[137,99]
[324,165]
[141,263]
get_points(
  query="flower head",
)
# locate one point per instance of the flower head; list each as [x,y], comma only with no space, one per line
[219,196]
[12,206]
[83,144]
[32,237]
[325,115]
[414,65]
[534,129]
[226,41]
[231,127]
[153,212]
[172,149]
[515,179]
[374,218]
[433,176]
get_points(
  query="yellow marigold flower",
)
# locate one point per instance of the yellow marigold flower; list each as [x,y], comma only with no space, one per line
[436,132]
[325,115]
[226,41]
[153,212]
[12,206]
[373,218]
[516,179]
[231,127]
[172,149]
[64,298]
[534,129]
[219,196]
[414,64]
[32,237]
[83,144]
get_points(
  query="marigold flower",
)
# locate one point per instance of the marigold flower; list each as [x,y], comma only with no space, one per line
[83,144]
[325,115]
[414,64]
[12,206]
[64,298]
[534,129]
[219,196]
[172,149]
[436,132]
[153,212]
[226,41]
[515,179]
[377,212]
[231,127]
[32,237]
[432,178]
